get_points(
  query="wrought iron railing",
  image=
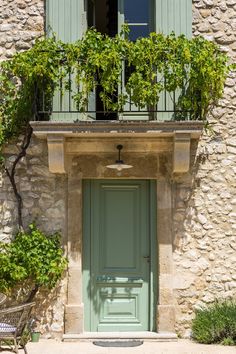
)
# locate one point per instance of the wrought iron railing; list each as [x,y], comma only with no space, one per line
[62,106]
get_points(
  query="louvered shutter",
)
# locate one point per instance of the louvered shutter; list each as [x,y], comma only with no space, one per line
[172,16]
[67,20]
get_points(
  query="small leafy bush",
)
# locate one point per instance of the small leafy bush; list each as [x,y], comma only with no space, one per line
[216,324]
[32,256]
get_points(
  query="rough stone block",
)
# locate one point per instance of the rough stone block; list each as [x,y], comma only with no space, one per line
[166,318]
[74,315]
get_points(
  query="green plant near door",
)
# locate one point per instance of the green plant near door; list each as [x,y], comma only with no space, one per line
[216,323]
[34,257]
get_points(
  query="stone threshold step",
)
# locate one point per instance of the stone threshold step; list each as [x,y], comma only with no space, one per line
[147,336]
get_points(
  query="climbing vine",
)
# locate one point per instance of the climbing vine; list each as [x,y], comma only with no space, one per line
[20,79]
[195,67]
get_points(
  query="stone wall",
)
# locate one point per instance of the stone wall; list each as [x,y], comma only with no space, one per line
[44,194]
[205,203]
[44,201]
[21,21]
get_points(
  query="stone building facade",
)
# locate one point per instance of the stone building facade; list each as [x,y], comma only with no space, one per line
[196,250]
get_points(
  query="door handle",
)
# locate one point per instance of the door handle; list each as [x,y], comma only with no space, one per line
[147,258]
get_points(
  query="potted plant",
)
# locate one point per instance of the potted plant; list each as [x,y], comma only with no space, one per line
[34,330]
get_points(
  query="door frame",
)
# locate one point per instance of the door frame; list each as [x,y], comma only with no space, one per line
[86,252]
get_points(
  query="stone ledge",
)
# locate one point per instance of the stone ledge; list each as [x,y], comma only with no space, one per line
[63,138]
[118,128]
[89,336]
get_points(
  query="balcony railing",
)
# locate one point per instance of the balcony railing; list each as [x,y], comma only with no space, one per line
[62,106]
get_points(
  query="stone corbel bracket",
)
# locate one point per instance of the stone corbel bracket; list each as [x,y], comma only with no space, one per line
[181,154]
[56,153]
[63,139]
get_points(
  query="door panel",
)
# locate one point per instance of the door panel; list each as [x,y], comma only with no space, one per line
[118,282]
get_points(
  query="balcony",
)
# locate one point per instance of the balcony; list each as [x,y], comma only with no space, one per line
[162,125]
[92,128]
[64,106]
[158,78]
[152,96]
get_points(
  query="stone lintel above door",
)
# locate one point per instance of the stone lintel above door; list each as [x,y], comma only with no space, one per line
[101,137]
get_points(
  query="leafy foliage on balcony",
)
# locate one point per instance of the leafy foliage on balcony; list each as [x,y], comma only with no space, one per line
[195,67]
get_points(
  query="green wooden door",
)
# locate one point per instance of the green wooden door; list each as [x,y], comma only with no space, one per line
[116,264]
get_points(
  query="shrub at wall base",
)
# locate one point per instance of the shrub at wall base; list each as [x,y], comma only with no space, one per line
[216,324]
[32,257]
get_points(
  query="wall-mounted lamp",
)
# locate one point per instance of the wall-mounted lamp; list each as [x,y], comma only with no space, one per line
[119,164]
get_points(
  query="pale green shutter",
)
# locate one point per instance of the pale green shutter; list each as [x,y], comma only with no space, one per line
[67,20]
[172,16]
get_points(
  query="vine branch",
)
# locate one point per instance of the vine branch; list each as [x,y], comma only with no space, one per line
[12,170]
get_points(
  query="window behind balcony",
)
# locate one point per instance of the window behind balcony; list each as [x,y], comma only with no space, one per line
[69,19]
[138,14]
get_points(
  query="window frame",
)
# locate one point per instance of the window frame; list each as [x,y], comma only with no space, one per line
[152,16]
